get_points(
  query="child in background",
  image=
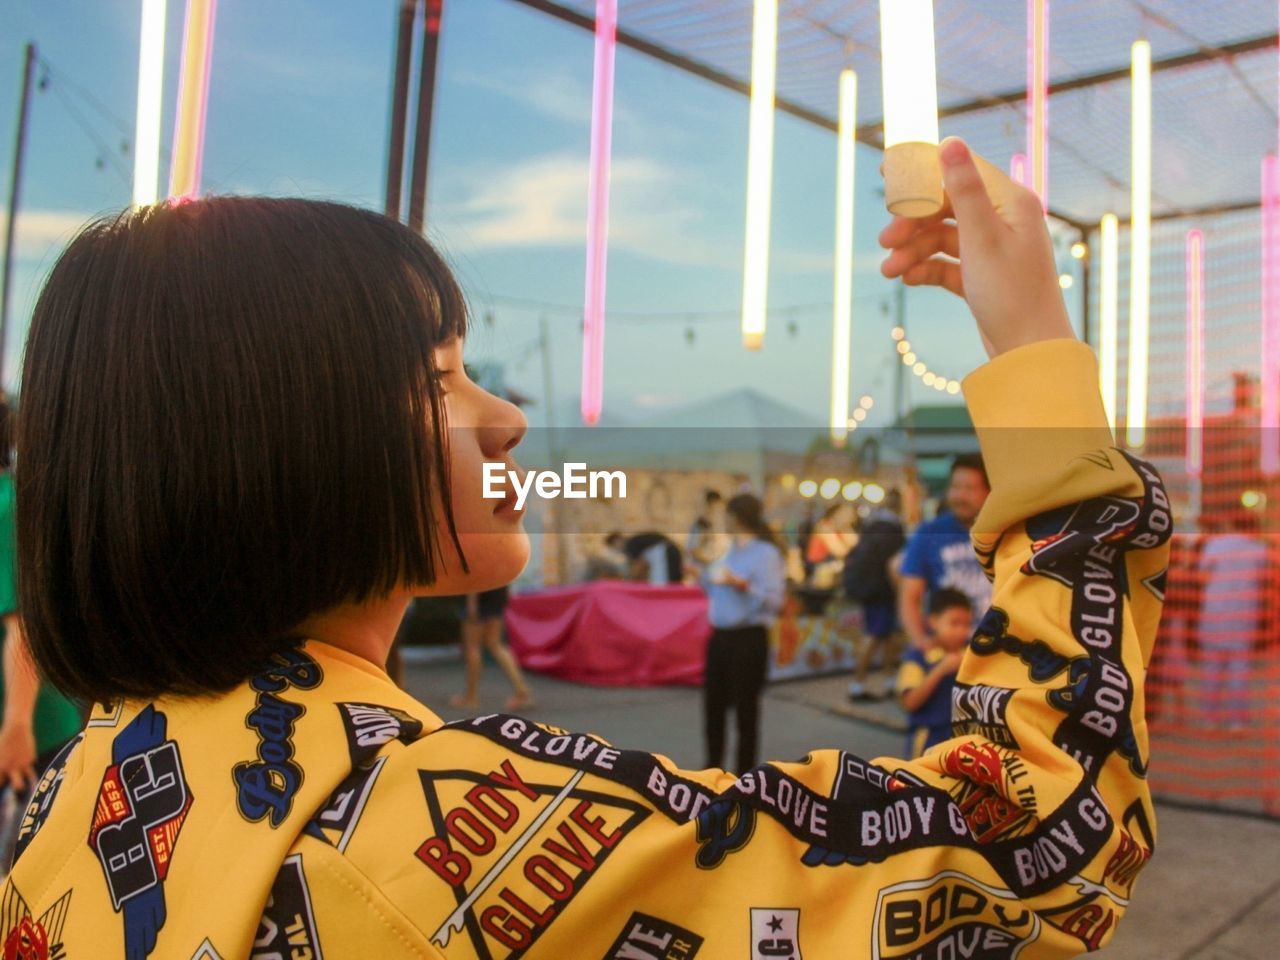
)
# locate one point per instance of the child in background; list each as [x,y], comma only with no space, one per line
[927,677]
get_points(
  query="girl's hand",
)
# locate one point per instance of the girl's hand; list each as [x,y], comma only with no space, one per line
[17,756]
[996,231]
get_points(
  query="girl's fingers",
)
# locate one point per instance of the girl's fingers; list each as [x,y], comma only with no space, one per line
[936,273]
[900,229]
[940,238]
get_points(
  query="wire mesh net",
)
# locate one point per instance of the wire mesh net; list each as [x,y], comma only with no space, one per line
[1214,687]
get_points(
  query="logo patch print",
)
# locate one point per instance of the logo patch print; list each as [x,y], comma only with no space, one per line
[514,851]
[288,925]
[370,727]
[142,804]
[41,802]
[775,934]
[24,937]
[950,916]
[648,938]
[336,820]
[265,787]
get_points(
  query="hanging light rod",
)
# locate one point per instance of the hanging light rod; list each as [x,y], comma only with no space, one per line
[870,134]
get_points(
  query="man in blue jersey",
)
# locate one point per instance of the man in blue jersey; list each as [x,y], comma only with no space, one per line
[939,555]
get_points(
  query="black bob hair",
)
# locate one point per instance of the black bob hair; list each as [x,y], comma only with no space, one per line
[230,422]
[947,598]
[970,461]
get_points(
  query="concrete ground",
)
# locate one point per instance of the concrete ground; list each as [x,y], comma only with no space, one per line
[1212,892]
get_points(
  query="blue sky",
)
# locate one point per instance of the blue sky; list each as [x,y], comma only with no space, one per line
[299,106]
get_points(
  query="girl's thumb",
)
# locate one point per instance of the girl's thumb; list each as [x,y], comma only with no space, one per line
[975,215]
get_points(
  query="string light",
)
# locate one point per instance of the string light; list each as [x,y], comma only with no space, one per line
[931,378]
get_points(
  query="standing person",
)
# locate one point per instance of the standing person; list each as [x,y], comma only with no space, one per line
[37,719]
[869,583]
[829,544]
[706,541]
[928,675]
[235,477]
[654,558]
[1231,627]
[745,592]
[939,554]
[482,630]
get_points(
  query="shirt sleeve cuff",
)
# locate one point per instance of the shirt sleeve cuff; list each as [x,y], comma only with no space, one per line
[1036,409]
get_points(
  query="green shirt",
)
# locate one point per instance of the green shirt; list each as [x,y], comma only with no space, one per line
[56,718]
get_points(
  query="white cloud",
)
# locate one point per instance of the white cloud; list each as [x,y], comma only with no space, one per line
[654,211]
[555,93]
[542,201]
[41,231]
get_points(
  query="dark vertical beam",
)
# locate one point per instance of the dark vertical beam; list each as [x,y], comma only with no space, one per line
[15,188]
[399,107]
[426,105]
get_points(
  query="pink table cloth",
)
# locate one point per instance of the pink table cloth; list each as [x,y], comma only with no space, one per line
[612,633]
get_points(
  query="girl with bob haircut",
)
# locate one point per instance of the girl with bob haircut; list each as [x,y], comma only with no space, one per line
[247,440]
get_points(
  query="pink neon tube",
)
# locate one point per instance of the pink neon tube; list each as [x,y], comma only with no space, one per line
[598,211]
[1038,99]
[1018,168]
[1195,352]
[1270,353]
[193,99]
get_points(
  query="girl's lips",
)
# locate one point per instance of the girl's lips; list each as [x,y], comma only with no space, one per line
[506,507]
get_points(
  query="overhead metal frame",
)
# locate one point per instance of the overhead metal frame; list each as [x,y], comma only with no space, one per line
[871,133]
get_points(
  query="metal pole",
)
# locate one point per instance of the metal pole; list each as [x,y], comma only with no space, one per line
[426,104]
[399,107]
[904,385]
[548,394]
[15,186]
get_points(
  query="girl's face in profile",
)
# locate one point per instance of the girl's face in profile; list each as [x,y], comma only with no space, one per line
[482,429]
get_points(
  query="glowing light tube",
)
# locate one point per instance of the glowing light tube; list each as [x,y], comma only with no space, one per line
[1269,374]
[1139,247]
[912,174]
[1038,97]
[1018,168]
[1109,308]
[193,98]
[755,267]
[598,211]
[842,318]
[146,137]
[1195,353]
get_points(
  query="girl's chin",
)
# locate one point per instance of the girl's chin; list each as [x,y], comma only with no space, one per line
[495,559]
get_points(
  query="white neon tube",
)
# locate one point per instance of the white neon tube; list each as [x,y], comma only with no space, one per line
[1109,307]
[1195,353]
[910,73]
[1140,248]
[842,319]
[755,267]
[146,137]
